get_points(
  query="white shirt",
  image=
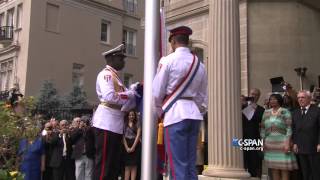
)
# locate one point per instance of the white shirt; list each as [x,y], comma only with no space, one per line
[104,117]
[174,67]
[307,108]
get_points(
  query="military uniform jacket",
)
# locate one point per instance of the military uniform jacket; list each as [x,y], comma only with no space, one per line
[110,89]
[173,69]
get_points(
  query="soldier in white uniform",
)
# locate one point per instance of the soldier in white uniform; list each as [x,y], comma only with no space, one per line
[108,118]
[182,119]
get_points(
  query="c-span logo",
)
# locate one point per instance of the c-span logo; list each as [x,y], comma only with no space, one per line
[235,142]
[248,144]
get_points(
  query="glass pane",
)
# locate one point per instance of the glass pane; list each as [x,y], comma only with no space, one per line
[4,66]
[104,32]
[2,81]
[52,17]
[10,65]
[130,40]
[103,37]
[10,17]
[124,36]
[8,83]
[104,27]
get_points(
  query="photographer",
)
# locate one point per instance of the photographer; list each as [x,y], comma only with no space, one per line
[290,100]
[82,139]
[251,119]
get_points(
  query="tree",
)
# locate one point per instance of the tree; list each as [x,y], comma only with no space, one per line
[77,99]
[48,99]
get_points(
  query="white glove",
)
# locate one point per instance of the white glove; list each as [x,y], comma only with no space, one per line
[129,93]
[130,104]
[134,86]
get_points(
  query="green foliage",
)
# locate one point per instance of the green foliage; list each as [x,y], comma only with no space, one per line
[6,175]
[51,105]
[77,99]
[16,123]
[49,98]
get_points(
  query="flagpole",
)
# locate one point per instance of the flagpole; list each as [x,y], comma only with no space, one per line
[151,53]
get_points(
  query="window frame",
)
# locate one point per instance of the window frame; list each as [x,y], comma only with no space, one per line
[127,79]
[8,78]
[130,6]
[19,16]
[106,33]
[47,28]
[131,46]
[78,74]
[9,11]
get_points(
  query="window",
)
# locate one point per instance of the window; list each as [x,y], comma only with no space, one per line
[2,22]
[10,13]
[19,15]
[77,74]
[129,37]
[6,80]
[199,53]
[52,17]
[130,6]
[127,79]
[105,32]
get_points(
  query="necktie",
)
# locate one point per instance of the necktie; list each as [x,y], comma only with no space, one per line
[303,111]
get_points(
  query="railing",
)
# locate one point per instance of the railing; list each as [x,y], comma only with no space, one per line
[6,33]
[130,6]
[64,113]
[130,49]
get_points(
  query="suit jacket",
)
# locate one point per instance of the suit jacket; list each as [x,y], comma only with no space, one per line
[306,130]
[251,129]
[57,150]
[80,139]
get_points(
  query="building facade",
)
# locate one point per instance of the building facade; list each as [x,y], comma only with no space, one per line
[275,38]
[244,43]
[62,41]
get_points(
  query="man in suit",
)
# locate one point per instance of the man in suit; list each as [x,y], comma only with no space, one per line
[61,162]
[251,119]
[82,139]
[306,136]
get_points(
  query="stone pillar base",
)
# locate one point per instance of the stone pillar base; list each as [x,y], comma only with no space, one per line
[231,173]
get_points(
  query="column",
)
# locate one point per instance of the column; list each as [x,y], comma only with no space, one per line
[224,118]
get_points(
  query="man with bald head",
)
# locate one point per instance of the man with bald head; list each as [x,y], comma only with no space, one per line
[306,136]
[251,119]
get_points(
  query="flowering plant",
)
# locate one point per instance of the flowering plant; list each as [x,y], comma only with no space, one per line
[16,123]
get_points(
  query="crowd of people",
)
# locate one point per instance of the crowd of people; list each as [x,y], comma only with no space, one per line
[289,124]
[109,145]
[66,151]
